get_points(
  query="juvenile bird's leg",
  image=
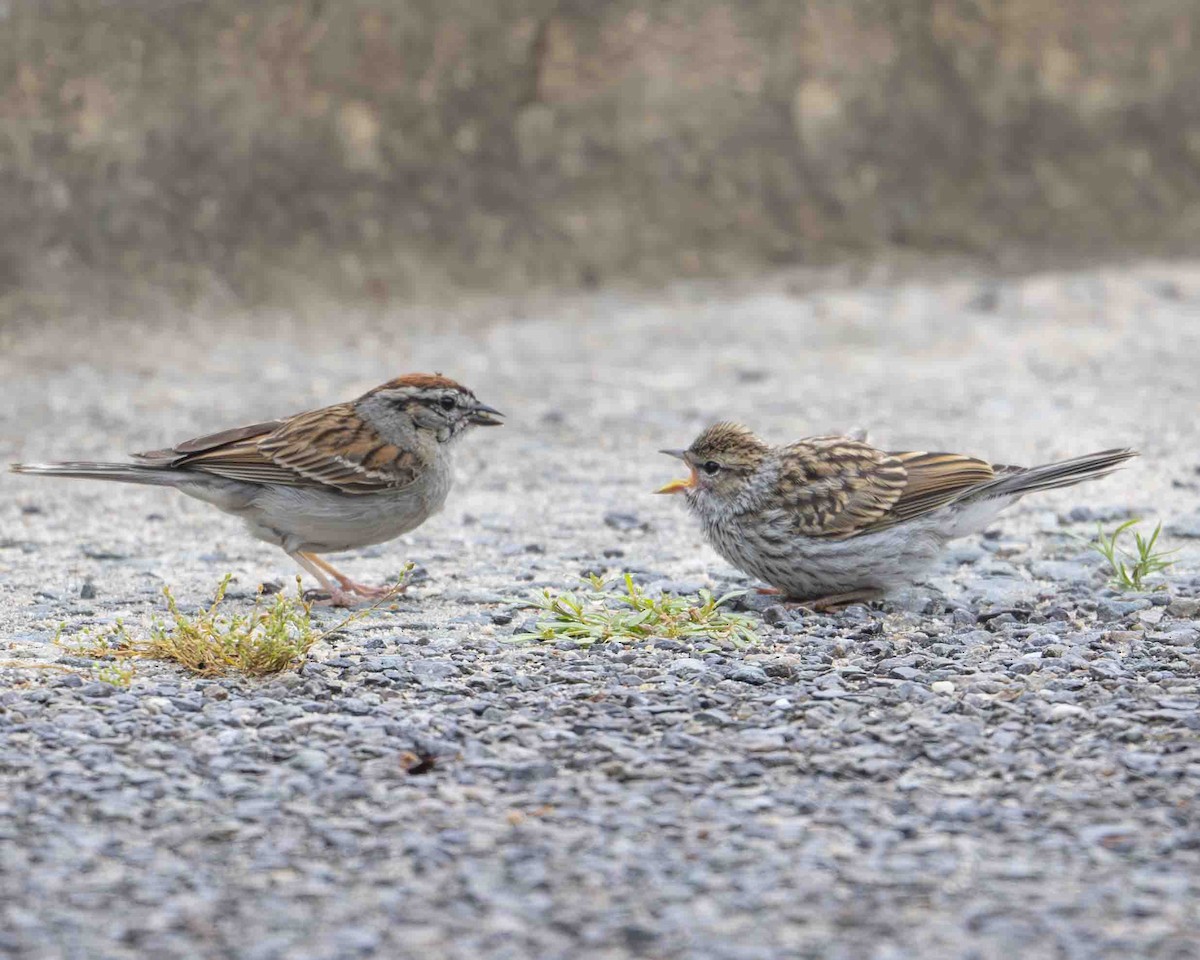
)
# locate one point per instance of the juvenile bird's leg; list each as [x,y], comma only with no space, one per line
[830,603]
[833,602]
[373,593]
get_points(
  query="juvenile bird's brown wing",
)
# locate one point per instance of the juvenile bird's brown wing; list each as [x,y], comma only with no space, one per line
[837,487]
[331,447]
[840,488]
[934,480]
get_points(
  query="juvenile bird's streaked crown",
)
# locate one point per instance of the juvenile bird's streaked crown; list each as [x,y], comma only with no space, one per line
[719,460]
[732,445]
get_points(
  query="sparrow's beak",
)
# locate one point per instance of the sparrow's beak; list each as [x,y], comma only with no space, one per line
[679,486]
[484,416]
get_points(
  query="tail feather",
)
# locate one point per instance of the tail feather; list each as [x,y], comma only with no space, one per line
[1018,481]
[89,470]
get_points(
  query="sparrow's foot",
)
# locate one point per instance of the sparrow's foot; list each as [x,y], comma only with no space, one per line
[768,591]
[834,602]
[374,593]
[337,597]
[346,588]
[352,594]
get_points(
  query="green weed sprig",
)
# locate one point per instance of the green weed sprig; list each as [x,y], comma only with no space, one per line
[596,615]
[1129,570]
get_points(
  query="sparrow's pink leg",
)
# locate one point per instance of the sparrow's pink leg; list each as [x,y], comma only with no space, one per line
[837,601]
[832,602]
[373,593]
[339,596]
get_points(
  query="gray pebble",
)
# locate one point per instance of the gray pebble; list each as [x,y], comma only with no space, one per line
[386,662]
[1188,526]
[311,761]
[625,522]
[761,741]
[1187,637]
[1061,571]
[1109,610]
[1105,669]
[749,674]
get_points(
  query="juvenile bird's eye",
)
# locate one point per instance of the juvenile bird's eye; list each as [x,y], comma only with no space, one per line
[711,467]
[447,403]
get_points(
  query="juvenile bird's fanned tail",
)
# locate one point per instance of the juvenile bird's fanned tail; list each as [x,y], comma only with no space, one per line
[90,470]
[1019,481]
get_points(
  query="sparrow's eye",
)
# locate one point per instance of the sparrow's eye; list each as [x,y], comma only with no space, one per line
[447,403]
[711,467]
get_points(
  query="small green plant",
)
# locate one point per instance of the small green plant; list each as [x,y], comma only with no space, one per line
[1129,570]
[273,636]
[118,674]
[597,614]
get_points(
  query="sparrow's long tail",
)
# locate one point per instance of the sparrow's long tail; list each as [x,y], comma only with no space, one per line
[1018,481]
[89,470]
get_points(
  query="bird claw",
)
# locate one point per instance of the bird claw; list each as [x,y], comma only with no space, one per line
[375,593]
[331,598]
[836,602]
[827,604]
[351,594]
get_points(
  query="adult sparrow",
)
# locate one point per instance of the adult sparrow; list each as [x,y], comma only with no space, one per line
[337,478]
[832,520]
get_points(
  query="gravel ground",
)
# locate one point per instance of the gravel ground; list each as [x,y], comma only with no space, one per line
[1003,761]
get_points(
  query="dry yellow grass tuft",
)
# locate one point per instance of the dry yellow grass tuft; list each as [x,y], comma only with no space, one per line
[273,636]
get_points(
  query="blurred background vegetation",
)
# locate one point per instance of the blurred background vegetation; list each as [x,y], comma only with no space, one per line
[269,151]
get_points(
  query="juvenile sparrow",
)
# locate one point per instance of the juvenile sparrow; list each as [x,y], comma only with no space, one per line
[341,477]
[832,520]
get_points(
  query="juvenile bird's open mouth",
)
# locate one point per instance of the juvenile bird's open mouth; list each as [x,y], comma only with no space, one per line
[679,486]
